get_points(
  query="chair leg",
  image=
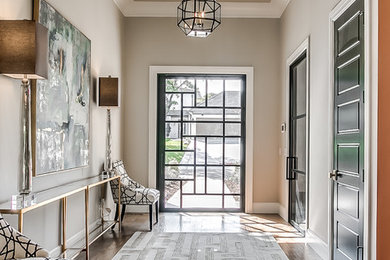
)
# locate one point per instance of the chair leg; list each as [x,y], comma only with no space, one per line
[123,211]
[116,215]
[157,211]
[150,217]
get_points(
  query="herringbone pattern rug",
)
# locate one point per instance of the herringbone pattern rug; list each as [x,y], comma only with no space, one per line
[199,246]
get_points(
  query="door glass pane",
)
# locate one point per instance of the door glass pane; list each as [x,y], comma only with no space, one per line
[214,180]
[300,144]
[179,172]
[188,186]
[209,129]
[215,93]
[173,107]
[200,180]
[180,85]
[200,150]
[232,202]
[233,114]
[232,151]
[233,93]
[203,114]
[202,201]
[172,194]
[300,72]
[298,206]
[214,151]
[232,180]
[188,100]
[172,130]
[172,144]
[200,92]
[179,158]
[233,129]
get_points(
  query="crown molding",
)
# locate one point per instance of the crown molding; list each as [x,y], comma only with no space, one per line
[274,9]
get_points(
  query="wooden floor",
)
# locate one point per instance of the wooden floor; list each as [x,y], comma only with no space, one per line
[292,243]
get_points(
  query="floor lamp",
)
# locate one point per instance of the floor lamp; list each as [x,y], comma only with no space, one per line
[108,97]
[24,55]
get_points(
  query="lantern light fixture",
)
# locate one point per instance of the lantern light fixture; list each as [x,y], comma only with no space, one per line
[198,18]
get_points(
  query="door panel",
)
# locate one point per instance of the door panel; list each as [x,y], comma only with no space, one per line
[297,160]
[201,142]
[348,175]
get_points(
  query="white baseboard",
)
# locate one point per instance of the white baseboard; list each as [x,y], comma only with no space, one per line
[72,240]
[266,208]
[283,212]
[319,246]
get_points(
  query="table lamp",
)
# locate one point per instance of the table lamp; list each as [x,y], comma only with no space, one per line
[108,97]
[24,55]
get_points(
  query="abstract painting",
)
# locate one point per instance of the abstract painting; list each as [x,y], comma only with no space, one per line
[61,105]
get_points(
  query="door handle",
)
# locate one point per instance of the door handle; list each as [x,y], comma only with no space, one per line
[334,174]
[290,165]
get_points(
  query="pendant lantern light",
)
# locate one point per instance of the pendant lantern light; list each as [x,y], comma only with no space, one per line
[198,18]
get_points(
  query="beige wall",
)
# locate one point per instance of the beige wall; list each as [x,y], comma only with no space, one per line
[102,23]
[301,19]
[238,42]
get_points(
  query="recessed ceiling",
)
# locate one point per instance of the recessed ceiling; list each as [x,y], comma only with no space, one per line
[230,8]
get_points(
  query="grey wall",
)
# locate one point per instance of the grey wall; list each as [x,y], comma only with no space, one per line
[301,19]
[102,23]
[237,42]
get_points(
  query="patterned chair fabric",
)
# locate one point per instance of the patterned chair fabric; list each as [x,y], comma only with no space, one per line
[13,245]
[132,193]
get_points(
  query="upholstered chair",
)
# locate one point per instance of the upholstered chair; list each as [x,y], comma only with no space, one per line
[14,245]
[133,193]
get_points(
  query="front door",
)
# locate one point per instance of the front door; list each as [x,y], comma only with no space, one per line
[348,157]
[201,142]
[297,160]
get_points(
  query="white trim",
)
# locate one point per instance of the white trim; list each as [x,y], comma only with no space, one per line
[248,71]
[134,8]
[303,47]
[266,208]
[74,239]
[370,117]
[319,246]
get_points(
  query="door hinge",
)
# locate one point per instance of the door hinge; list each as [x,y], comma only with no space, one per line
[364,96]
[363,173]
[363,17]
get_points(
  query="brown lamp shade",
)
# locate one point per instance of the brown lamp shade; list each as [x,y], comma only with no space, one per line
[108,92]
[23,49]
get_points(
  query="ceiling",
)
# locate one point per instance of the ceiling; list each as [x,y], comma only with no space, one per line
[230,8]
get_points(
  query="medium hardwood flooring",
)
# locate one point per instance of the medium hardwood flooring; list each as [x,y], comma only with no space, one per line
[292,243]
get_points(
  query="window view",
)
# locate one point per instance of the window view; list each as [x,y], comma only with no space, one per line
[201,141]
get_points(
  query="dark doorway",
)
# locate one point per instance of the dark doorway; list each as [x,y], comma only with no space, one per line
[201,142]
[297,159]
[348,155]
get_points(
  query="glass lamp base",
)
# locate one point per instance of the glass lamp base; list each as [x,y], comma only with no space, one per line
[23,200]
[107,174]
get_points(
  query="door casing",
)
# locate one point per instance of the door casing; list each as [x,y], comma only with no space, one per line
[303,48]
[249,72]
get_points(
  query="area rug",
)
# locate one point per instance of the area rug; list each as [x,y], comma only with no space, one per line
[199,246]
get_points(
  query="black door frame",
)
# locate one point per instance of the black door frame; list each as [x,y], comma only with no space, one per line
[161,138]
[289,175]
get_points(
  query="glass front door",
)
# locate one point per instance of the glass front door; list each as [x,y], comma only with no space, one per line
[201,142]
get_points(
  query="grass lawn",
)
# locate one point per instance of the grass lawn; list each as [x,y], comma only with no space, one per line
[174,157]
